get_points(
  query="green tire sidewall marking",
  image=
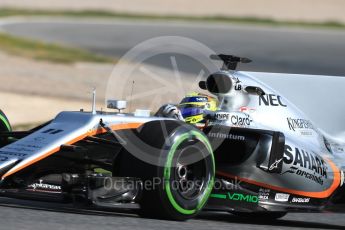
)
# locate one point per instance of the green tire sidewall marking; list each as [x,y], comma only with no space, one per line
[4,120]
[167,173]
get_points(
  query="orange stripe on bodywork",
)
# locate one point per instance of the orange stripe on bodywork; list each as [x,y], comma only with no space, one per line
[323,194]
[81,137]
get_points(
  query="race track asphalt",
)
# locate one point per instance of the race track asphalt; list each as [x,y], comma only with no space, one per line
[273,49]
[277,49]
[19,214]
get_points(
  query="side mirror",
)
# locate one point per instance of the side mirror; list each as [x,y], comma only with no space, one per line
[116,104]
[255,90]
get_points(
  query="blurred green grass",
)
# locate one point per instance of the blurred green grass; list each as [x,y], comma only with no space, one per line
[62,54]
[6,12]
[45,51]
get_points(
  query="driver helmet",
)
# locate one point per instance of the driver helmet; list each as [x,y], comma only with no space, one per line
[194,105]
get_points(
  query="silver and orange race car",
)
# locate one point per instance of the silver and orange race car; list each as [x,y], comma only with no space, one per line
[257,156]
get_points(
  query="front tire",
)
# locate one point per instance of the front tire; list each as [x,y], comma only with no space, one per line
[183,166]
[5,126]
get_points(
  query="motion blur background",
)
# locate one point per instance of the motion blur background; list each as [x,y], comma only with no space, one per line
[53,52]
[56,50]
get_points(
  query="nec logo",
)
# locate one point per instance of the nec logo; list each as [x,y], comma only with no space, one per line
[271,100]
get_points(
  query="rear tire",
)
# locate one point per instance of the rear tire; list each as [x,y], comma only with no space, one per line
[171,170]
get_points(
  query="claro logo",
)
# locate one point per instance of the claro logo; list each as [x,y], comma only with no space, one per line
[237,119]
[271,100]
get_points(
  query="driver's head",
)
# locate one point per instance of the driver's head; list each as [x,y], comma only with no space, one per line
[194,105]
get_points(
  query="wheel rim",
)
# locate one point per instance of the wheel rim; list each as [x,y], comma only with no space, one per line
[190,178]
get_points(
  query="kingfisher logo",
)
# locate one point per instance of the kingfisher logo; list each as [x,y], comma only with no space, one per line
[299,124]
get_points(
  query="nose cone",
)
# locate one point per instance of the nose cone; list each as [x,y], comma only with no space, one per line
[6,164]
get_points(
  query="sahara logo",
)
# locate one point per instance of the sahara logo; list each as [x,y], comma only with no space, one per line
[271,100]
[305,164]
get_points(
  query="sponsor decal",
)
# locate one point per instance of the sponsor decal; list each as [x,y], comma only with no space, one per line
[241,197]
[271,100]
[303,125]
[241,120]
[327,144]
[236,197]
[52,131]
[238,85]
[305,164]
[222,116]
[246,109]
[237,119]
[41,187]
[333,147]
[201,99]
[39,139]
[227,136]
[281,197]
[3,158]
[12,153]
[340,149]
[275,165]
[300,200]
[264,193]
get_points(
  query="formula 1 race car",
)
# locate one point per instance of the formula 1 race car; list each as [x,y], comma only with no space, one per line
[256,156]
